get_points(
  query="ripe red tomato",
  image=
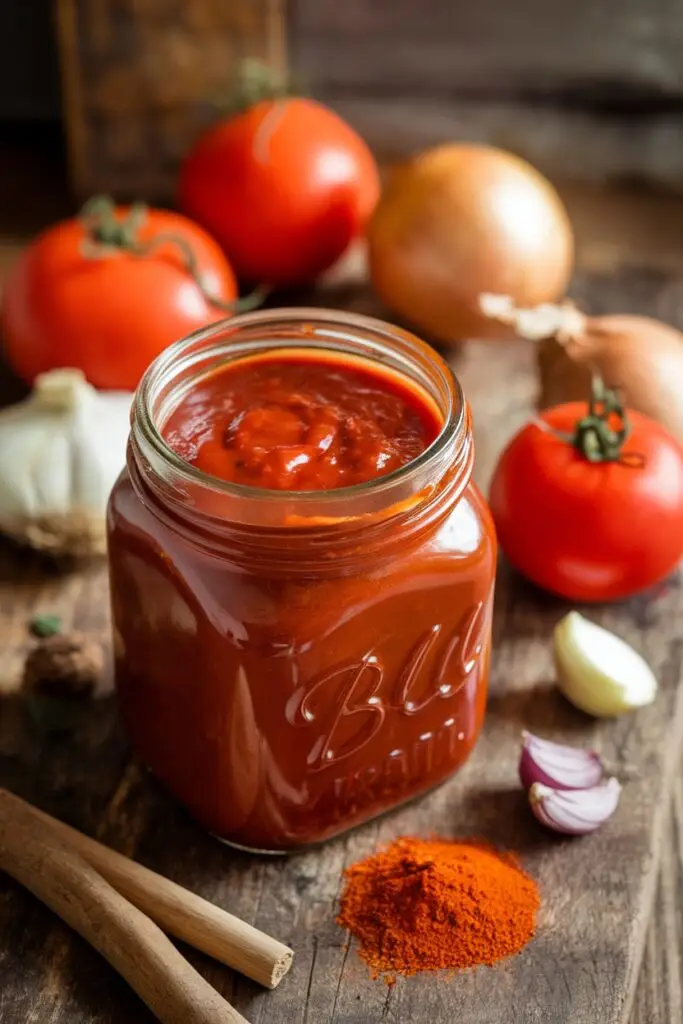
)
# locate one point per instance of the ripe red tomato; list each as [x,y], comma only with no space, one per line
[110,314]
[284,187]
[590,531]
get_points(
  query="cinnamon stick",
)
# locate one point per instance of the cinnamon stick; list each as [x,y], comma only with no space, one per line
[32,852]
[178,911]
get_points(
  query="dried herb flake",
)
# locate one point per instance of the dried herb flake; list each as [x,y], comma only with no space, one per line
[45,625]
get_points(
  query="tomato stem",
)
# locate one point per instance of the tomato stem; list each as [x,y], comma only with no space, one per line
[257,81]
[107,233]
[596,437]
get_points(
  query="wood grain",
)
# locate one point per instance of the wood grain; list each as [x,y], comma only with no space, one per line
[659,997]
[582,968]
[610,50]
[580,143]
[589,94]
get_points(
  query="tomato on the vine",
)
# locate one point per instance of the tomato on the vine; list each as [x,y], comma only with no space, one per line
[284,186]
[107,291]
[590,507]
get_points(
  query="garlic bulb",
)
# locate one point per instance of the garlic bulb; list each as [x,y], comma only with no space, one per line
[597,671]
[61,450]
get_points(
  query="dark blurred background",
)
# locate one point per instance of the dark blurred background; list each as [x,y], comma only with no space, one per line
[591,90]
[106,95]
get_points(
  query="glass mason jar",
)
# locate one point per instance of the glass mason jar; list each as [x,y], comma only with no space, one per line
[291,664]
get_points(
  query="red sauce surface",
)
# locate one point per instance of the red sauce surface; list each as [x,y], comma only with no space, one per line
[281,695]
[302,424]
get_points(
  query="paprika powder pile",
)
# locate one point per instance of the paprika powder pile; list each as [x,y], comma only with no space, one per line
[423,905]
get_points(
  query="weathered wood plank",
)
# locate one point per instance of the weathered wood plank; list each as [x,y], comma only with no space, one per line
[580,144]
[582,967]
[659,997]
[612,50]
[590,93]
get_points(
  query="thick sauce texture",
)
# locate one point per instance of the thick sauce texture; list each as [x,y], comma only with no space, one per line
[282,692]
[301,424]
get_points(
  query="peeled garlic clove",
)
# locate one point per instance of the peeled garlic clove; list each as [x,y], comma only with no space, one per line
[558,766]
[597,671]
[575,812]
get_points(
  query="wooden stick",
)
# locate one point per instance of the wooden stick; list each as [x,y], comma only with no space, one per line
[177,910]
[32,852]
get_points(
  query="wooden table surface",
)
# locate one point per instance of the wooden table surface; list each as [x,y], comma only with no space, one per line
[48,975]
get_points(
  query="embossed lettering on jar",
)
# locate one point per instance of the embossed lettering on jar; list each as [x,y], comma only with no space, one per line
[293,663]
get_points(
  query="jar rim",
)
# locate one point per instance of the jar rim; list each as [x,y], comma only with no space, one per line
[313,323]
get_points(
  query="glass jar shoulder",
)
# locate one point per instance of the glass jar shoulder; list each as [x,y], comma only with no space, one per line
[467,531]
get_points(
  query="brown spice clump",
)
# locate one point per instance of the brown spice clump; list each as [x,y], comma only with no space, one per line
[423,905]
[65,665]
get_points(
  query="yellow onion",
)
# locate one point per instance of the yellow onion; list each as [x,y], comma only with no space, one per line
[641,357]
[464,219]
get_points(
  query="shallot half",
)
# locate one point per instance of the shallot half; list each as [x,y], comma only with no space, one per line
[558,766]
[575,812]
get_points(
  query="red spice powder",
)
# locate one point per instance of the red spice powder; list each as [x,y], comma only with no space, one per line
[430,904]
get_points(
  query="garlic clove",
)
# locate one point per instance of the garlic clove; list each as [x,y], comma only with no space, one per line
[575,812]
[557,765]
[599,672]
